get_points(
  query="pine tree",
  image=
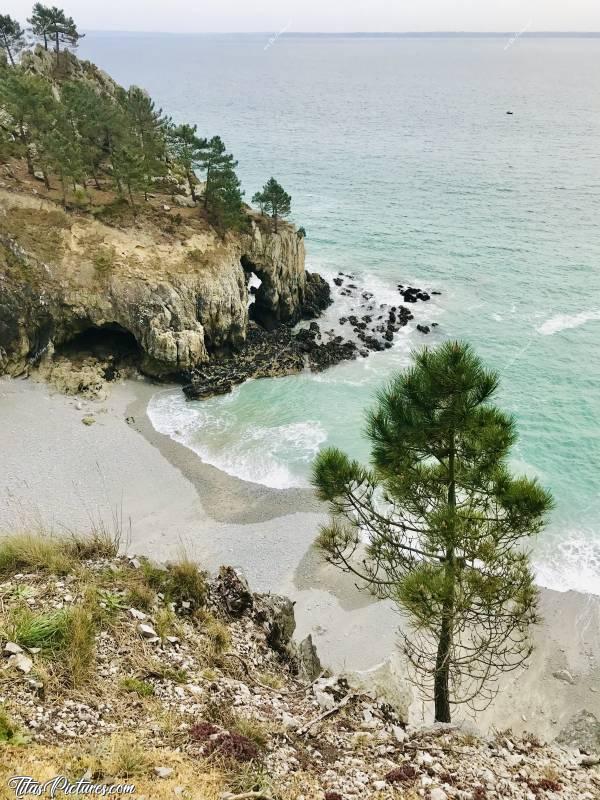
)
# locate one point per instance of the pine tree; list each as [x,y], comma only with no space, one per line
[61,151]
[52,24]
[440,526]
[40,22]
[186,148]
[149,127]
[12,37]
[88,115]
[30,103]
[226,208]
[274,200]
[219,165]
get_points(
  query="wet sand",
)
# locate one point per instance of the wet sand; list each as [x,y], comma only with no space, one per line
[58,473]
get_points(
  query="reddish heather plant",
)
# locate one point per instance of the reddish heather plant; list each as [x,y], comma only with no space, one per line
[226,743]
[401,774]
[233,745]
[203,731]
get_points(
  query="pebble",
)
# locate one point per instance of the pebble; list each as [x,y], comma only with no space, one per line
[438,794]
[163,772]
[147,631]
[563,675]
[21,662]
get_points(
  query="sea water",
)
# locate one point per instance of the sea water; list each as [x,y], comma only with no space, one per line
[404,167]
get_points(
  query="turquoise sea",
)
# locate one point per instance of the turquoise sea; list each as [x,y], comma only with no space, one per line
[404,167]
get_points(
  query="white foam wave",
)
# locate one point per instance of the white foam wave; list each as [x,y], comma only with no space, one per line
[562,322]
[572,564]
[265,455]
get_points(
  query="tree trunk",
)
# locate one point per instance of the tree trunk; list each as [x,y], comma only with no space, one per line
[25,141]
[191,185]
[206,188]
[56,45]
[441,687]
[95,177]
[8,51]
[46,179]
[132,201]
[45,43]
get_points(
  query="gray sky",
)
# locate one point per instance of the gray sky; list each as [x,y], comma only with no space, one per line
[325,15]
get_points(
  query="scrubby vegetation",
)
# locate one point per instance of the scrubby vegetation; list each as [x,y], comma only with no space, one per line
[78,130]
[187,697]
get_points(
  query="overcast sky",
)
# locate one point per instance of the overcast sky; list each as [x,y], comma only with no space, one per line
[325,15]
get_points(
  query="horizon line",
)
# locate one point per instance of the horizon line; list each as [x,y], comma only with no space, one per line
[391,34]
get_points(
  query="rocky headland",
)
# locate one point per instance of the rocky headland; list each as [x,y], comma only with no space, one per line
[87,296]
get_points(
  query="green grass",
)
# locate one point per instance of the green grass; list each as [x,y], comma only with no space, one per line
[179,582]
[37,230]
[49,631]
[104,260]
[33,552]
[65,637]
[135,686]
[9,731]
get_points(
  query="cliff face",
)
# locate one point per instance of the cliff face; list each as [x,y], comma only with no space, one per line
[171,282]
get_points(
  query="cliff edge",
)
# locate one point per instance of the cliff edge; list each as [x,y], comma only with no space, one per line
[169,283]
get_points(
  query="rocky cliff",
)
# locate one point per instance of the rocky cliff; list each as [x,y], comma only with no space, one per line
[169,281]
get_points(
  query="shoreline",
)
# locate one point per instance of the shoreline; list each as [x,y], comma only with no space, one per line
[62,474]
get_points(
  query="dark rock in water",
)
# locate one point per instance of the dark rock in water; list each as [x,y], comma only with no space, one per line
[434,324]
[423,296]
[436,293]
[353,320]
[343,320]
[351,286]
[423,328]
[317,296]
[253,290]
[366,318]
[338,281]
[264,354]
[233,590]
[345,292]
[373,343]
[331,353]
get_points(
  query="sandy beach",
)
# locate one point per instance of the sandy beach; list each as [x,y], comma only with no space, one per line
[58,473]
